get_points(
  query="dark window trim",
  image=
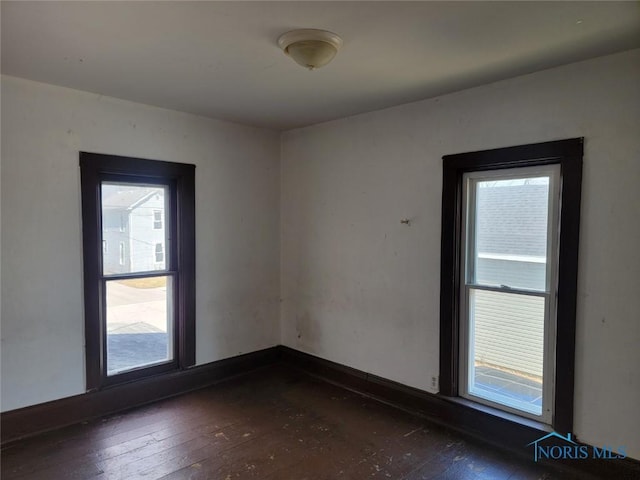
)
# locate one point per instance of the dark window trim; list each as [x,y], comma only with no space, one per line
[95,168]
[567,153]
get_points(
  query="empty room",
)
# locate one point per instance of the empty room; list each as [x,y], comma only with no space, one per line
[320,240]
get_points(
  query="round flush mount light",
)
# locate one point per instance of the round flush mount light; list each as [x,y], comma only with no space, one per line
[309,47]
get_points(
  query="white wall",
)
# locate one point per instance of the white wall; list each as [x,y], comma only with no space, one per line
[362,289]
[237,222]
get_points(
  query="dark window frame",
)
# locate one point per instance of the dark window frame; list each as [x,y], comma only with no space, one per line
[94,169]
[568,153]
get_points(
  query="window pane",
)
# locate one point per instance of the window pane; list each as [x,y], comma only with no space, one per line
[157,219]
[133,218]
[139,323]
[506,345]
[511,232]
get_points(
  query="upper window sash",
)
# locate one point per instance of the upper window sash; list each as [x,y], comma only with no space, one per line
[469,229]
[167,190]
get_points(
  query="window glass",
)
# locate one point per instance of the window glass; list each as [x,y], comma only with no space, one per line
[139,323]
[511,218]
[157,219]
[506,353]
[130,216]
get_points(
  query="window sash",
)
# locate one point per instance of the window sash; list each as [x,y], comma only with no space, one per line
[467,360]
[149,368]
[167,219]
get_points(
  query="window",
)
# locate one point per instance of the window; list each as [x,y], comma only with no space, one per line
[159,254]
[508,250]
[508,278]
[105,247]
[140,306]
[157,219]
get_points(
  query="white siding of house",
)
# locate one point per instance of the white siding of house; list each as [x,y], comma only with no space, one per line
[509,328]
[143,238]
[114,236]
[509,331]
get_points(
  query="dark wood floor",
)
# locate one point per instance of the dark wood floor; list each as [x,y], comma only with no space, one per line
[273,423]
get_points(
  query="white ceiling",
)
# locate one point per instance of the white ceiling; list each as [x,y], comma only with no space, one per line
[221,59]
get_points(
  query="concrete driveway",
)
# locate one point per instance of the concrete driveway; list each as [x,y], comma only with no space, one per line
[136,310]
[136,327]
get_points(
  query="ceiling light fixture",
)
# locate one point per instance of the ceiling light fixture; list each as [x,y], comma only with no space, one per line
[309,47]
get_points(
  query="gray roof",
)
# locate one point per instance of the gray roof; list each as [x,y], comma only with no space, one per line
[125,198]
[513,220]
